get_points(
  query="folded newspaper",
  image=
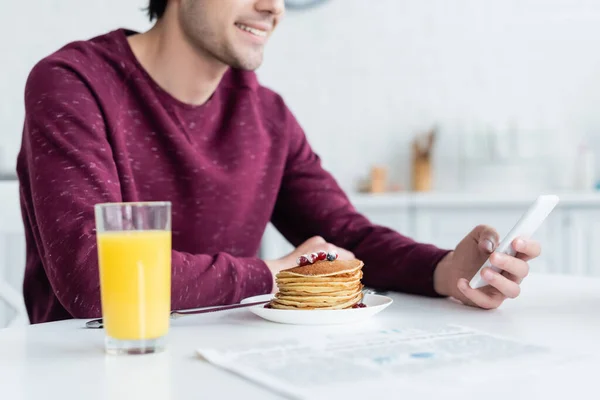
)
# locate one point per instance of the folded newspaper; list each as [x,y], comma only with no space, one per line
[417,360]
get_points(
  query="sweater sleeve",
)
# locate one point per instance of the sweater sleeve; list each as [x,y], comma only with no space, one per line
[68,168]
[311,203]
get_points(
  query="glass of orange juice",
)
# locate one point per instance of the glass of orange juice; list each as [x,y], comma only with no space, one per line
[134,254]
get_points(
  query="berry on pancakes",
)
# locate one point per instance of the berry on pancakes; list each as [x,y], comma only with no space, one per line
[332,256]
[303,260]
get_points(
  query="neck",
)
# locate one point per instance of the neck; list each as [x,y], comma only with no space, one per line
[172,61]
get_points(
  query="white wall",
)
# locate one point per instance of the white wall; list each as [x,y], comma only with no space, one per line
[377,71]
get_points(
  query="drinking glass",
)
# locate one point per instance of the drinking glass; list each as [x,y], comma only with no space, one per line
[134,254]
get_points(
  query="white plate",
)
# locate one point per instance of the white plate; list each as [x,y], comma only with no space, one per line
[375,304]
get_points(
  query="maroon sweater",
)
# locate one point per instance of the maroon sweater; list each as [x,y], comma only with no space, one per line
[99,129]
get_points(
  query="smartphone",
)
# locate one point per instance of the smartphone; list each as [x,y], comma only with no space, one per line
[524,228]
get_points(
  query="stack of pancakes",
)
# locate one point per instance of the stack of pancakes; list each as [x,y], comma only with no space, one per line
[324,285]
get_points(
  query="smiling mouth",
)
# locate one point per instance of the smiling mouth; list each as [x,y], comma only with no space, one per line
[253,31]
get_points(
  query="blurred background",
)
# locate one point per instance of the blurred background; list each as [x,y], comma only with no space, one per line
[511,84]
[434,115]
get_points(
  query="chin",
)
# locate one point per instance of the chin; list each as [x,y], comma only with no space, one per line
[248,62]
[247,65]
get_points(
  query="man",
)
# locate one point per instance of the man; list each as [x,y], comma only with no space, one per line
[177,114]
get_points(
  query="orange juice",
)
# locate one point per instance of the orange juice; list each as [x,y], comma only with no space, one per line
[135,278]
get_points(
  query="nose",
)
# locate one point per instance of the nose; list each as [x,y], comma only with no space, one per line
[274,7]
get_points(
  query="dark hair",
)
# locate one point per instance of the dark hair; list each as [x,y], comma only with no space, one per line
[156,9]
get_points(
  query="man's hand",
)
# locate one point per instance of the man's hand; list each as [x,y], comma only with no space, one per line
[452,275]
[312,245]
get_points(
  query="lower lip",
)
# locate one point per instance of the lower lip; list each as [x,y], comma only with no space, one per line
[257,39]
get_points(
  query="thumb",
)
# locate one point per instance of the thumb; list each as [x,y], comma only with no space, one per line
[486,237]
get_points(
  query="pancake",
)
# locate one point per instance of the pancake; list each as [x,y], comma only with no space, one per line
[323,285]
[318,284]
[328,298]
[351,277]
[288,305]
[318,293]
[307,290]
[324,268]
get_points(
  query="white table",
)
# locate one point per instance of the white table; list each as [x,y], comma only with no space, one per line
[64,361]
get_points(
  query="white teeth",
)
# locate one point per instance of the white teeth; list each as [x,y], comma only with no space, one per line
[254,31]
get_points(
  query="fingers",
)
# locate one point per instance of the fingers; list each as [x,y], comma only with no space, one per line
[313,241]
[507,287]
[311,244]
[317,243]
[345,254]
[527,249]
[477,297]
[487,238]
[515,266]
[328,247]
